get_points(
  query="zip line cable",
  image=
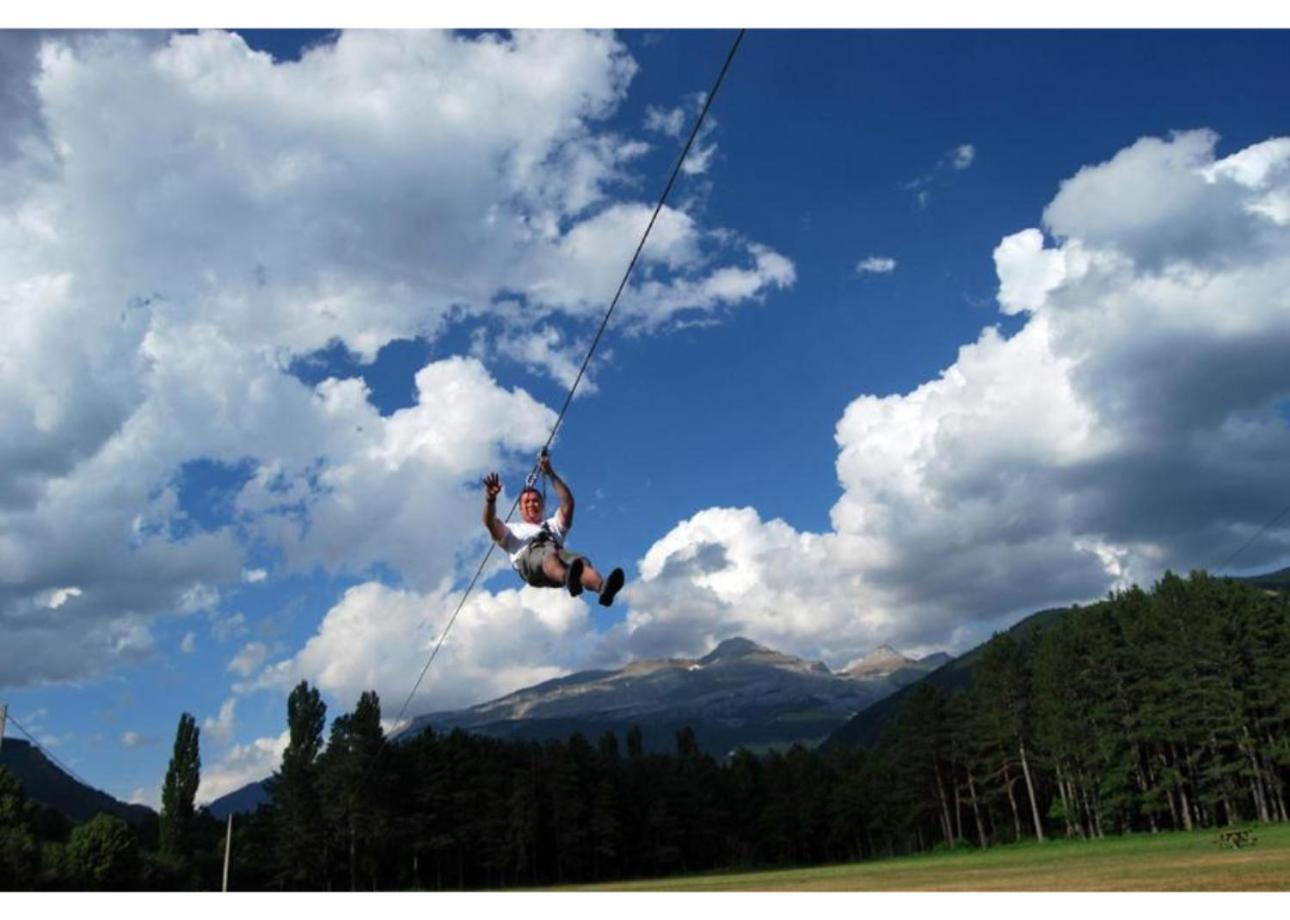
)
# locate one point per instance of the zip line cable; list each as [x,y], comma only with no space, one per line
[1246,545]
[36,744]
[676,169]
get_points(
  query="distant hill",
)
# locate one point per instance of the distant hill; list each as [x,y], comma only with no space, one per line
[239,802]
[739,694]
[45,783]
[1273,581]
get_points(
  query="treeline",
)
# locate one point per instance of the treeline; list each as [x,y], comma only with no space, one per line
[1167,710]
[1146,712]
[460,811]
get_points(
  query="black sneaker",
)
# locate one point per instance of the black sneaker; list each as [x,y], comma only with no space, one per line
[573,577]
[613,584]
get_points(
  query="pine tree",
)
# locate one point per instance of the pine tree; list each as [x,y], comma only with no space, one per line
[351,783]
[1003,685]
[301,853]
[921,747]
[183,775]
[19,850]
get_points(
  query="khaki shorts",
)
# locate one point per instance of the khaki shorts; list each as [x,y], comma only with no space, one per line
[529,564]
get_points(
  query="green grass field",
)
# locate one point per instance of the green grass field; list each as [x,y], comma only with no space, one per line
[1142,862]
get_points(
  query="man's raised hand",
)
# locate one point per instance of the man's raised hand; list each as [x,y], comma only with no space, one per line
[492,486]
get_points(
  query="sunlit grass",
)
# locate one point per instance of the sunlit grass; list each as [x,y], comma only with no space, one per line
[1140,862]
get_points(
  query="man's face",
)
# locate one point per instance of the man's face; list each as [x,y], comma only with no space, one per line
[531,507]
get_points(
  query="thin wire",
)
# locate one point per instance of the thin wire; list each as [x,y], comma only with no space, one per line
[1246,545]
[37,745]
[676,169]
[694,132]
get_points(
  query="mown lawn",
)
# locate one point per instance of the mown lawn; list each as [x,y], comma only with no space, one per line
[1142,862]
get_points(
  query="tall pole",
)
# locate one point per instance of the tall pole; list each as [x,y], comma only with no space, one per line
[228,848]
[4,715]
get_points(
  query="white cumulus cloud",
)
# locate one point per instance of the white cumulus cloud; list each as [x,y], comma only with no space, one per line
[204,217]
[1135,422]
[242,764]
[220,728]
[380,638]
[249,658]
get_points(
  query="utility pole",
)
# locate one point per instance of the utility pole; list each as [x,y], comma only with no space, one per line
[4,715]
[228,848]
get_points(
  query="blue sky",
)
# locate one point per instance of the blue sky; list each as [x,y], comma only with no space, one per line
[942,328]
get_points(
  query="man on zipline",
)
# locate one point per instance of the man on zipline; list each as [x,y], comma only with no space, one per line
[537,546]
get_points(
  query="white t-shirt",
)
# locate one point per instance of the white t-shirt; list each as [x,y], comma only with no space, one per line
[521,533]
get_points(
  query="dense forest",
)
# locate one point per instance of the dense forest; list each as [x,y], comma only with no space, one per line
[1147,712]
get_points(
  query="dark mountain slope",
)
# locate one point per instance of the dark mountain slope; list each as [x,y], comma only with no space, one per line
[240,801]
[47,784]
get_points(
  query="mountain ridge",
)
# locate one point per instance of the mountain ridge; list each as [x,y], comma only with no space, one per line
[739,693]
[47,784]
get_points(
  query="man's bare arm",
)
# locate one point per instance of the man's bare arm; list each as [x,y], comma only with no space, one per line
[566,497]
[492,486]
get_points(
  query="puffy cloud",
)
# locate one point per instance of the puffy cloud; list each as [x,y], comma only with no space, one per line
[672,123]
[668,122]
[188,644]
[61,596]
[133,740]
[1027,271]
[961,157]
[1135,422]
[224,628]
[204,217]
[878,265]
[386,498]
[701,155]
[249,658]
[548,350]
[380,638]
[144,796]
[219,729]
[701,300]
[242,764]
[725,572]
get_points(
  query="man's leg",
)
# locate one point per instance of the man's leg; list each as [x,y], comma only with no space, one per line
[590,579]
[607,588]
[554,569]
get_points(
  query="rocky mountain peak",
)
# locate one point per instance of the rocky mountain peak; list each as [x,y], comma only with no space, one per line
[882,660]
[732,648]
